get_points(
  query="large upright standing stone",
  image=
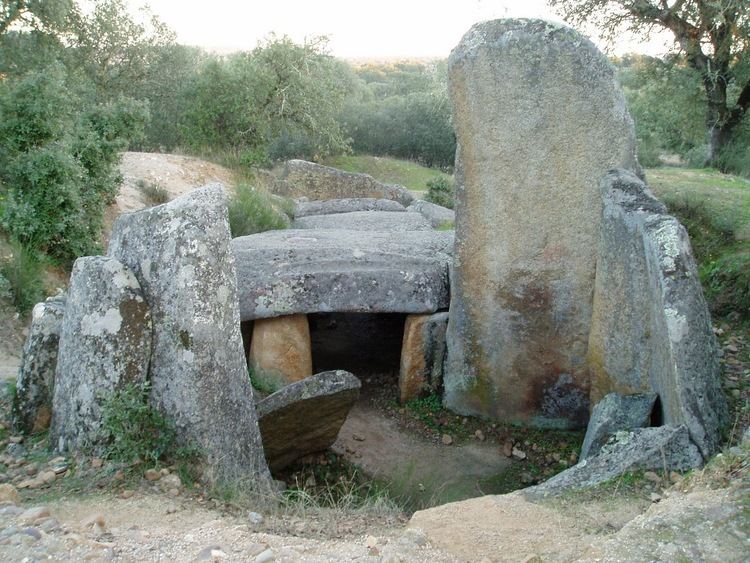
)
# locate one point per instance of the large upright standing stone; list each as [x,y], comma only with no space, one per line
[539,119]
[180,253]
[105,344]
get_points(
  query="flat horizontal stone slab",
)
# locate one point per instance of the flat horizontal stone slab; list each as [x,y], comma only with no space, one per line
[437,215]
[346,205]
[392,221]
[320,271]
[306,416]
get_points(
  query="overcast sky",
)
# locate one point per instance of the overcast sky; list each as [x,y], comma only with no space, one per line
[373,29]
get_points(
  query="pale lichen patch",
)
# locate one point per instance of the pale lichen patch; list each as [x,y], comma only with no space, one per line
[95,325]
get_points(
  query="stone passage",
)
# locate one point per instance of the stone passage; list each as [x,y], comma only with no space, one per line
[539,120]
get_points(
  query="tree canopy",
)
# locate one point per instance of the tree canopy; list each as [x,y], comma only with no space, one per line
[713,35]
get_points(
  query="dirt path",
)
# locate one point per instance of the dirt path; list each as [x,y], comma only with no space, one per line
[443,473]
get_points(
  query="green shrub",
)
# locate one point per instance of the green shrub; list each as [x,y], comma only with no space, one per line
[727,281]
[251,211]
[58,161]
[132,429]
[21,277]
[440,192]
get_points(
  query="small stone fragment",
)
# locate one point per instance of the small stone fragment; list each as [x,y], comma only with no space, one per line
[36,513]
[655,497]
[96,463]
[518,454]
[447,439]
[8,493]
[265,556]
[255,518]
[126,494]
[508,449]
[152,475]
[479,435]
[652,476]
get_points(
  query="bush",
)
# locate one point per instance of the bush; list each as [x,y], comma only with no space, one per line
[58,161]
[21,278]
[132,429]
[728,284]
[440,192]
[251,211]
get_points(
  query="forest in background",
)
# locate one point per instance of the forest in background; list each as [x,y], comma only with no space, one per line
[77,88]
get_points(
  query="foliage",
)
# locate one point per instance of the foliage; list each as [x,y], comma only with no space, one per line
[280,99]
[713,35]
[402,110]
[58,161]
[132,429]
[251,211]
[21,278]
[440,192]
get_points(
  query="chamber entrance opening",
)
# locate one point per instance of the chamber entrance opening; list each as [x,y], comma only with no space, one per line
[365,344]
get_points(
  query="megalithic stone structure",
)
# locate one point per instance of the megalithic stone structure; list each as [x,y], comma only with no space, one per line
[539,119]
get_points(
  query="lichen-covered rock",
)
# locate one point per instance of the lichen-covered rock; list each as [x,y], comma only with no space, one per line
[422,355]
[539,119]
[651,330]
[316,182]
[437,215]
[391,221]
[615,413]
[311,271]
[346,205]
[280,350]
[180,253]
[659,448]
[32,407]
[306,416]
[105,344]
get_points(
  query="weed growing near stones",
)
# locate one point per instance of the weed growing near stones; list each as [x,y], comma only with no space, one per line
[132,429]
[440,192]
[153,192]
[251,211]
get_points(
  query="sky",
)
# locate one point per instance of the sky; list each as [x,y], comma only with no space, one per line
[375,29]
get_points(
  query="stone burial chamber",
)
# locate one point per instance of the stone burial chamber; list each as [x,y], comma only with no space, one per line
[361,300]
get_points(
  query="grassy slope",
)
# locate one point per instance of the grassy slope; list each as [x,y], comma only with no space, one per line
[386,169]
[715,208]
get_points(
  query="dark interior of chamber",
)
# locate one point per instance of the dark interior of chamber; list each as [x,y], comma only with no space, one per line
[365,344]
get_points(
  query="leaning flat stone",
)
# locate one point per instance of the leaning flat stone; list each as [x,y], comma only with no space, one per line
[390,221]
[300,178]
[180,252]
[539,120]
[346,205]
[615,413]
[318,271]
[651,330]
[306,416]
[437,215]
[105,344]
[660,448]
[32,407]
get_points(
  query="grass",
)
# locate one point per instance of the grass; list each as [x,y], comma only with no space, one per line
[253,210]
[390,170]
[715,209]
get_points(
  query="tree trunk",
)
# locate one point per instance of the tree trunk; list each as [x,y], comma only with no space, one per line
[719,123]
